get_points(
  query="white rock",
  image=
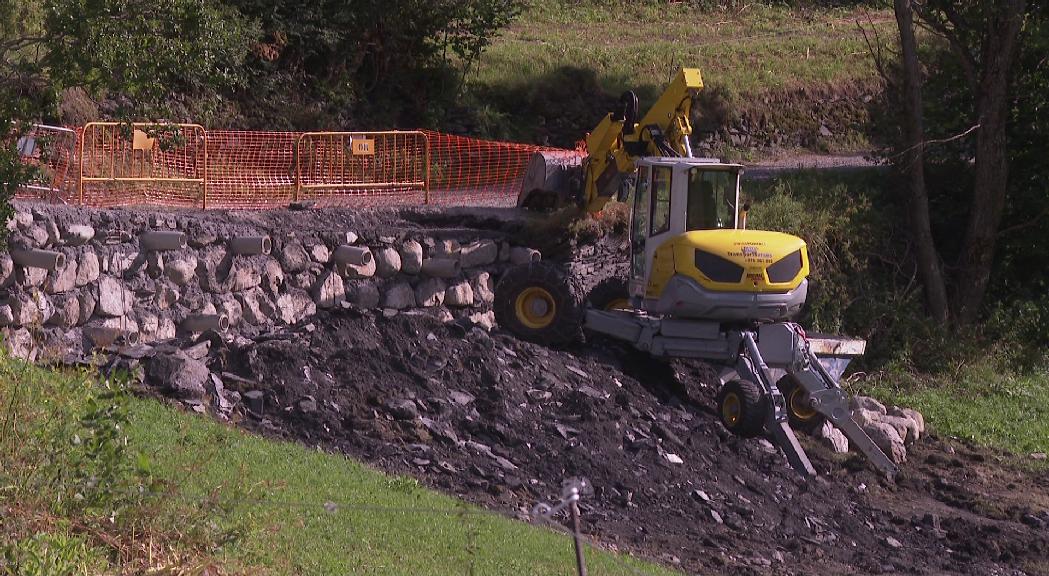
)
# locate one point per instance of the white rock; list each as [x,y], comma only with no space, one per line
[251,308]
[399,297]
[294,305]
[481,253]
[272,277]
[166,329]
[866,403]
[37,236]
[447,249]
[387,262]
[320,253]
[86,268]
[905,427]
[181,271]
[121,262]
[20,345]
[914,415]
[88,303]
[485,320]
[62,280]
[114,299]
[329,290]
[67,311]
[459,294]
[244,277]
[833,437]
[888,439]
[6,316]
[23,220]
[430,292]
[7,270]
[24,311]
[31,277]
[411,257]
[484,288]
[366,295]
[78,235]
[166,296]
[293,257]
[357,272]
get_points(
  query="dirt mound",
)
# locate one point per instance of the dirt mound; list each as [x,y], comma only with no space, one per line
[502,422]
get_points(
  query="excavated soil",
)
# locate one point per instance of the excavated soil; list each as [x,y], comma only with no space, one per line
[502,423]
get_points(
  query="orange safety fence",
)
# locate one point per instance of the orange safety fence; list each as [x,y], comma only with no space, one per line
[143,164]
[52,151]
[184,165]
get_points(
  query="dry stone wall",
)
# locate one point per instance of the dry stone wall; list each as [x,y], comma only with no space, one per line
[75,280]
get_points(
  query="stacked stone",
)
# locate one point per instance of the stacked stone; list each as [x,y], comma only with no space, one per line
[170,275]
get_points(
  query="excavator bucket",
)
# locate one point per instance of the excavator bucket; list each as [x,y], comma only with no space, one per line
[552,179]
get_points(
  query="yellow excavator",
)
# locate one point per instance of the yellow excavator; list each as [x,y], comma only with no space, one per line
[701,285]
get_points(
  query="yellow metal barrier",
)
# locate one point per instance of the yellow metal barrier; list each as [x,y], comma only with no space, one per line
[334,166]
[143,163]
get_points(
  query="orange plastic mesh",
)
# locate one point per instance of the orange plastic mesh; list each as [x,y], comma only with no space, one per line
[186,166]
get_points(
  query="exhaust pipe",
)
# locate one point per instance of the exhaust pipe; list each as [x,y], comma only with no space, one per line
[352,255]
[203,322]
[47,259]
[157,241]
[251,245]
[441,267]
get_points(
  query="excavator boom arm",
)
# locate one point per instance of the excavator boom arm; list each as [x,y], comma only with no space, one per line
[619,139]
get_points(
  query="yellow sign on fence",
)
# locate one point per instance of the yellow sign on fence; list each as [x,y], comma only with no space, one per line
[363,147]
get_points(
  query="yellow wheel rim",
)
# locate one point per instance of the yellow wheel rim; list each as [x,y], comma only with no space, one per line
[618,304]
[799,404]
[535,308]
[730,409]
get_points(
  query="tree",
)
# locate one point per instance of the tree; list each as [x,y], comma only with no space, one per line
[913,159]
[984,37]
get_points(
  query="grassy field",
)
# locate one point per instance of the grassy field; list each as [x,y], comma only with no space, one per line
[978,403]
[94,480]
[641,45]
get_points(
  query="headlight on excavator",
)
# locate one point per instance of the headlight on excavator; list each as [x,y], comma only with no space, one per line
[785,269]
[717,268]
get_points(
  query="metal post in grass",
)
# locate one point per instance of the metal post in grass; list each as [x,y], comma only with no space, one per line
[569,499]
[573,509]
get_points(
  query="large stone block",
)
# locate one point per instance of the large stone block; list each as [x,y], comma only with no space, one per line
[87,268]
[484,288]
[67,311]
[294,305]
[114,299]
[459,295]
[293,257]
[178,374]
[63,280]
[411,257]
[399,296]
[430,292]
[387,262]
[181,271]
[329,290]
[366,295]
[480,253]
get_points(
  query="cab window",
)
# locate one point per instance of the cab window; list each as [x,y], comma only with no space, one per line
[660,199]
[711,199]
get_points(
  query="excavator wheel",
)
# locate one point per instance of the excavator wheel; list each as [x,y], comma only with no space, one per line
[537,303]
[609,294]
[802,416]
[742,408]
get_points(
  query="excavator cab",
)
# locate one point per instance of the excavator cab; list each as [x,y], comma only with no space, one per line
[690,259]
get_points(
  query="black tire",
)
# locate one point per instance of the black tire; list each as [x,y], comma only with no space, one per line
[742,408]
[543,285]
[801,416]
[608,294]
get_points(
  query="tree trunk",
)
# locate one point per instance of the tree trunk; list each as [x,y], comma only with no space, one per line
[913,160]
[998,52]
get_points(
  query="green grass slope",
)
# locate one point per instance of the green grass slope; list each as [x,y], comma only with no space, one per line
[95,481]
